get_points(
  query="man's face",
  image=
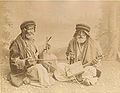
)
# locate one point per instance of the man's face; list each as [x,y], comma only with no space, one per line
[30,31]
[81,36]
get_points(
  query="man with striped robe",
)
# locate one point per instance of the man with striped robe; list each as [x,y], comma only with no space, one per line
[23,58]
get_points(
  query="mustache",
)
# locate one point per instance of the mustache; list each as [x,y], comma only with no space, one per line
[30,33]
[80,38]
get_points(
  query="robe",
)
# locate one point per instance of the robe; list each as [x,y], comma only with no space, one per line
[89,52]
[21,49]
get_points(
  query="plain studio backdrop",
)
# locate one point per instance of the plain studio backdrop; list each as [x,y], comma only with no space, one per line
[56,19]
[59,18]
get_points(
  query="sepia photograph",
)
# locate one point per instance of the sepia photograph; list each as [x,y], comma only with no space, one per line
[59,46]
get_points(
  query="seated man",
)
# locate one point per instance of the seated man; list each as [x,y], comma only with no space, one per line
[24,58]
[82,48]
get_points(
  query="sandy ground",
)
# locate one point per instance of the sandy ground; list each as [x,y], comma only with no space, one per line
[108,83]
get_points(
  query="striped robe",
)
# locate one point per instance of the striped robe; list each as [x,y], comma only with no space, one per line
[21,49]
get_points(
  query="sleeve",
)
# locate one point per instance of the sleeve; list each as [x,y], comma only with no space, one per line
[14,50]
[99,51]
[15,61]
[99,55]
[68,49]
[96,45]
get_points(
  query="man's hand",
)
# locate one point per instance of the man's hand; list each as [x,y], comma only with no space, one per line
[20,63]
[70,56]
[98,64]
[30,61]
[67,57]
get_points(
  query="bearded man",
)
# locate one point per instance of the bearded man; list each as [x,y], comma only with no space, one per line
[82,48]
[23,58]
